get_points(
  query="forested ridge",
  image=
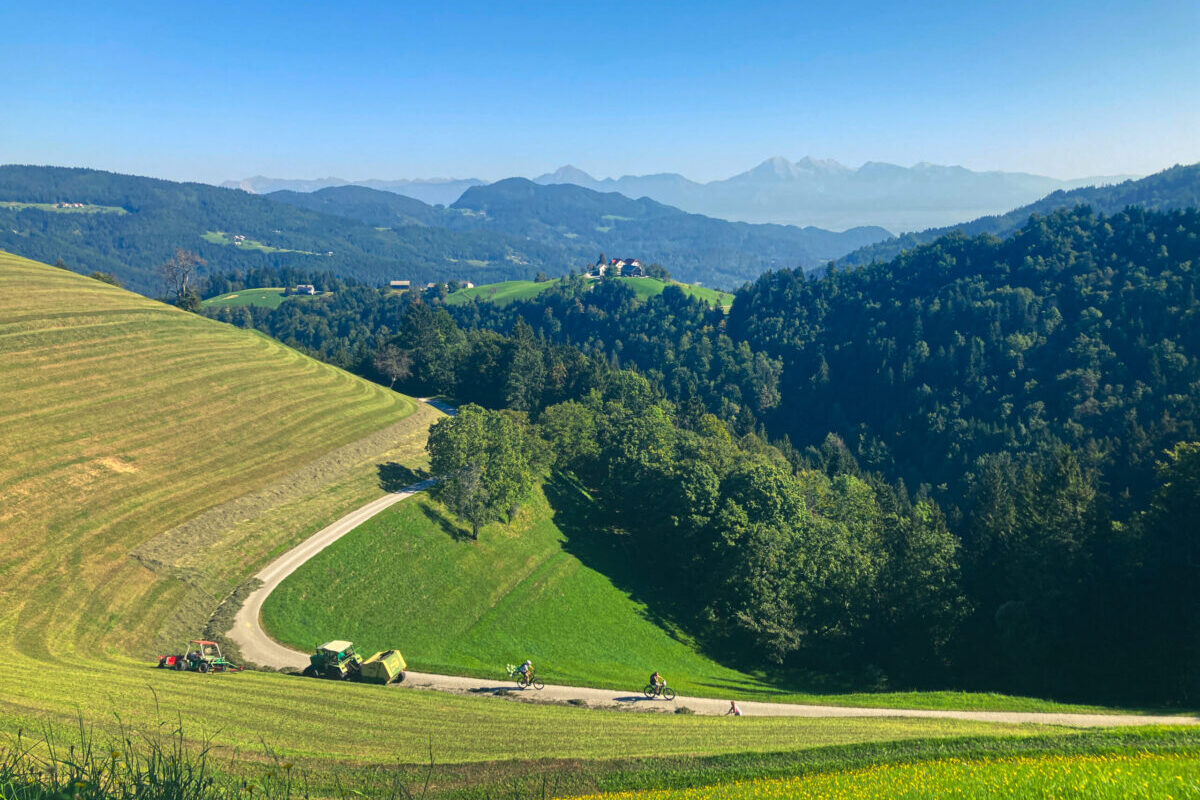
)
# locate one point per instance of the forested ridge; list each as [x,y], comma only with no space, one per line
[510,230]
[968,467]
[161,216]
[1177,187]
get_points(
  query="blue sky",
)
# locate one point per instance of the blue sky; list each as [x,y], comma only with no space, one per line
[209,91]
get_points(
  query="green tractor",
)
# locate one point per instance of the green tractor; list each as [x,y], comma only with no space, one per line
[337,660]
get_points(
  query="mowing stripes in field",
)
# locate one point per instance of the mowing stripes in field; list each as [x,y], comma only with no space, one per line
[120,418]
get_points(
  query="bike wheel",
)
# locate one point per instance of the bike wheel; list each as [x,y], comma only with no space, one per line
[648,691]
[537,684]
[668,693]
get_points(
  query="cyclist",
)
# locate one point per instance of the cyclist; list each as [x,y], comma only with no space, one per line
[526,671]
[657,681]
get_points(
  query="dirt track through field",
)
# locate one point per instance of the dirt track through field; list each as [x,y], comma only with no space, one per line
[259,648]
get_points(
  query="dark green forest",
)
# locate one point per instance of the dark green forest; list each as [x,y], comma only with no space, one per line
[969,466]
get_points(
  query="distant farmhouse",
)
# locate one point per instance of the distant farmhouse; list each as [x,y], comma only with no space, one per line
[623,267]
[304,288]
[400,285]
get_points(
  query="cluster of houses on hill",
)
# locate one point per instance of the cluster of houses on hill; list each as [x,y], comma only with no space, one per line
[68,205]
[616,267]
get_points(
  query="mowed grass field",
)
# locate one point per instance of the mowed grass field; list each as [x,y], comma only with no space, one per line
[121,418]
[268,298]
[153,460]
[510,291]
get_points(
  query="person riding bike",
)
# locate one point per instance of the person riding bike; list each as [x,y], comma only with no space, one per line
[526,670]
[657,681]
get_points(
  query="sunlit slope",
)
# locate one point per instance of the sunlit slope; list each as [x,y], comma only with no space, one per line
[120,419]
[412,578]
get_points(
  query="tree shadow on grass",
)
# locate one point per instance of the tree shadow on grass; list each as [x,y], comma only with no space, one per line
[393,476]
[609,553]
[614,555]
[448,525]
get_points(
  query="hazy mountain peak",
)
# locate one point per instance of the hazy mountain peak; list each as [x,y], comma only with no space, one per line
[567,173]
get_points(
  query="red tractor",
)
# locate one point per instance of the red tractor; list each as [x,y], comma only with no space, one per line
[201,656]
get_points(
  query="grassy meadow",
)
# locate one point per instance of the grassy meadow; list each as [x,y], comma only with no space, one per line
[501,293]
[649,287]
[221,237]
[153,460]
[267,298]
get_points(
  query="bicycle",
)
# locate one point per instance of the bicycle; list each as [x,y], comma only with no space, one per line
[525,681]
[666,692]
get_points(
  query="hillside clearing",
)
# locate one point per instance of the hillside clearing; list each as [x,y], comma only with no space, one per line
[64,208]
[267,298]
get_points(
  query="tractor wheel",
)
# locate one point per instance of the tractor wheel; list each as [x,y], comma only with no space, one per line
[310,672]
[668,693]
[180,665]
[400,678]
[204,666]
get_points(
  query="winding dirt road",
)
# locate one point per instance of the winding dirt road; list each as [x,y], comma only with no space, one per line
[259,648]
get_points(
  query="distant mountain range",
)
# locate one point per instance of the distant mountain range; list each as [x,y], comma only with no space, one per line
[515,228]
[582,223]
[808,192]
[1177,187]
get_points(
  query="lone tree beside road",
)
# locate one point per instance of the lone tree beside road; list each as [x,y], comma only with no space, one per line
[482,461]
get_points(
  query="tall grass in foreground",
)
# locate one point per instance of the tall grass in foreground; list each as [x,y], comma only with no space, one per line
[160,766]
[1094,777]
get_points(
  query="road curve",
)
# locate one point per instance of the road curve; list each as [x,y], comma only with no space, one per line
[259,648]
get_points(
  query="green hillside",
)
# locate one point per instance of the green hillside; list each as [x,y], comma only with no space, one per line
[154,460]
[498,293]
[510,291]
[472,607]
[267,298]
[272,297]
